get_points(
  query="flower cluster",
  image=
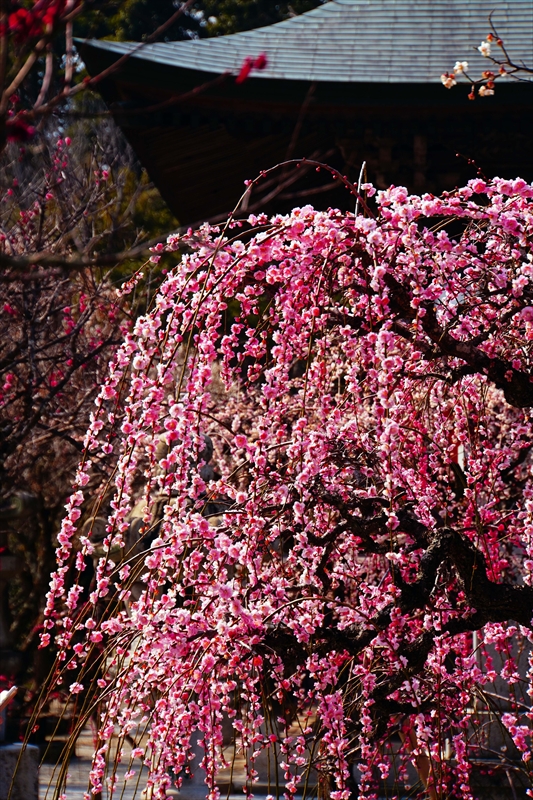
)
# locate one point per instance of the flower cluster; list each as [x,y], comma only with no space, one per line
[29,23]
[504,66]
[319,530]
[250,64]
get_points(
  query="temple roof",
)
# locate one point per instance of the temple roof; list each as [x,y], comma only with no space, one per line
[351,82]
[358,41]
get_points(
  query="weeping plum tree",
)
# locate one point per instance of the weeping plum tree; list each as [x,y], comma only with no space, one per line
[352,582]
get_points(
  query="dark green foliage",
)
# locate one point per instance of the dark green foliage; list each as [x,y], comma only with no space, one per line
[135,19]
[244,15]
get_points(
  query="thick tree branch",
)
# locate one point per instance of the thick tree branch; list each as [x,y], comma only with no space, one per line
[79,262]
[516,385]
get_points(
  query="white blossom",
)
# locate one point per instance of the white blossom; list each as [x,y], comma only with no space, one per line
[484,49]
[484,91]
[460,66]
[448,80]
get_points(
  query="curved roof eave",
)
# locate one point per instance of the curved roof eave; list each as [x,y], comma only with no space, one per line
[356,41]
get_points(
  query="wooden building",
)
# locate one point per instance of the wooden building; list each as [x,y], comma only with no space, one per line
[351,81]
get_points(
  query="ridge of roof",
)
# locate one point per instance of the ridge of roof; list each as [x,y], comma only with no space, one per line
[356,41]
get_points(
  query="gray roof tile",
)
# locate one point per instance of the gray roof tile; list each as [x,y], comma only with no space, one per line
[376,41]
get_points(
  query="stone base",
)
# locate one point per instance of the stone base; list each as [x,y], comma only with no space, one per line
[26,781]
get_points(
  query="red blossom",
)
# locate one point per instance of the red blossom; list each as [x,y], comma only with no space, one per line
[261,61]
[24,23]
[249,64]
[246,68]
[18,129]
